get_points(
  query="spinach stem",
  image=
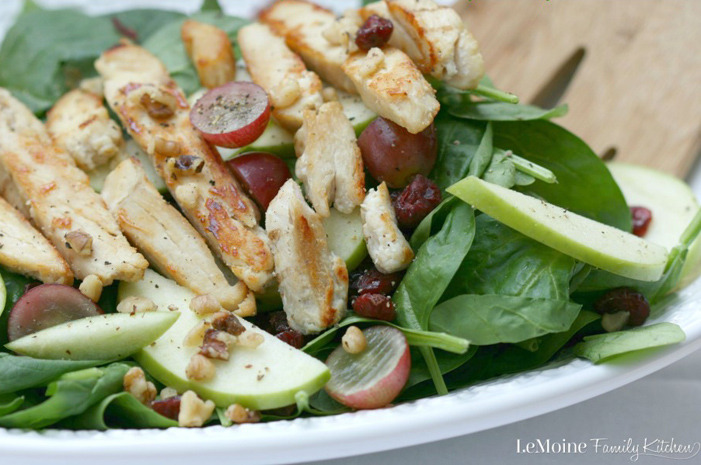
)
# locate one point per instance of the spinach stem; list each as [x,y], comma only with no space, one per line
[434,370]
[436,340]
[692,231]
[532,169]
[496,94]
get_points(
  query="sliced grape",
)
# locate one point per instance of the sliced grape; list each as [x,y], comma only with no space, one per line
[261,174]
[232,115]
[48,305]
[374,377]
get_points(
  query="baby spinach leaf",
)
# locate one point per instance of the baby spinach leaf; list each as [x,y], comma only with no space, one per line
[167,45]
[18,373]
[120,410]
[9,403]
[501,170]
[435,264]
[483,154]
[432,222]
[459,142]
[504,261]
[211,5]
[491,319]
[418,385]
[602,347]
[500,111]
[144,22]
[584,185]
[44,49]
[70,395]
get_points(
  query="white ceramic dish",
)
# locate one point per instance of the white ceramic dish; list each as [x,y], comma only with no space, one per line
[481,407]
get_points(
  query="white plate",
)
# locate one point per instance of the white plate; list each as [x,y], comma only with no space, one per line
[481,407]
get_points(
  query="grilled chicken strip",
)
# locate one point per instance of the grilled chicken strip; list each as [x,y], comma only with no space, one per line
[389,250]
[24,250]
[392,86]
[159,231]
[330,164]
[156,114]
[9,191]
[210,50]
[313,280]
[62,204]
[305,27]
[434,37]
[79,124]
[281,73]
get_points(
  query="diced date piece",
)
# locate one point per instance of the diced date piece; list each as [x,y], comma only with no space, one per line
[416,201]
[375,32]
[376,306]
[624,299]
[641,220]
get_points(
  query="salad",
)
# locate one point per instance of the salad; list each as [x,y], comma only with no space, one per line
[225,221]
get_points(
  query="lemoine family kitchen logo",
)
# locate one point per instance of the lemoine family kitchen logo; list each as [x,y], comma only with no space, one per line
[668,448]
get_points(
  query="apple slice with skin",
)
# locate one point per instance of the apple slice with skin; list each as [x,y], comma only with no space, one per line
[673,206]
[261,378]
[345,235]
[586,240]
[101,337]
[374,377]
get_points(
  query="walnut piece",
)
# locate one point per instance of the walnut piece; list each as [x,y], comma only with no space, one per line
[136,304]
[200,368]
[80,242]
[91,287]
[194,412]
[135,384]
[204,305]
[240,414]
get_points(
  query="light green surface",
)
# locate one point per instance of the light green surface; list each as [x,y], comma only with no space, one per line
[266,377]
[586,240]
[344,233]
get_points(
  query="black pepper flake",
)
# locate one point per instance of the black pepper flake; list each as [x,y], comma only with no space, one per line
[68,246]
[107,263]
[212,183]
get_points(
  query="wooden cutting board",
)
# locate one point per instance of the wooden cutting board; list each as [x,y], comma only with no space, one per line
[637,86]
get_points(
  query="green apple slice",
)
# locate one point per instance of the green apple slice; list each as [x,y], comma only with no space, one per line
[102,337]
[673,206]
[357,112]
[344,233]
[266,377]
[586,240]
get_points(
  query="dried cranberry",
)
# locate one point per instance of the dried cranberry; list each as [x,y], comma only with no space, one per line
[624,299]
[416,201]
[277,322]
[212,347]
[374,32]
[169,407]
[641,220]
[371,281]
[376,306]
[292,337]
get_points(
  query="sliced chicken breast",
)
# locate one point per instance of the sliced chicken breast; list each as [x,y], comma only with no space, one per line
[313,280]
[392,86]
[306,26]
[79,124]
[24,250]
[389,250]
[159,231]
[330,164]
[210,50]
[156,114]
[282,74]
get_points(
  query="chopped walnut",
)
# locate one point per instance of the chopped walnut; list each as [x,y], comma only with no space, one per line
[204,305]
[91,287]
[228,322]
[247,307]
[195,336]
[353,341]
[187,195]
[213,347]
[250,340]
[329,94]
[240,414]
[194,412]
[200,368]
[80,242]
[158,103]
[168,392]
[135,383]
[169,148]
[135,304]
[230,297]
[184,165]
